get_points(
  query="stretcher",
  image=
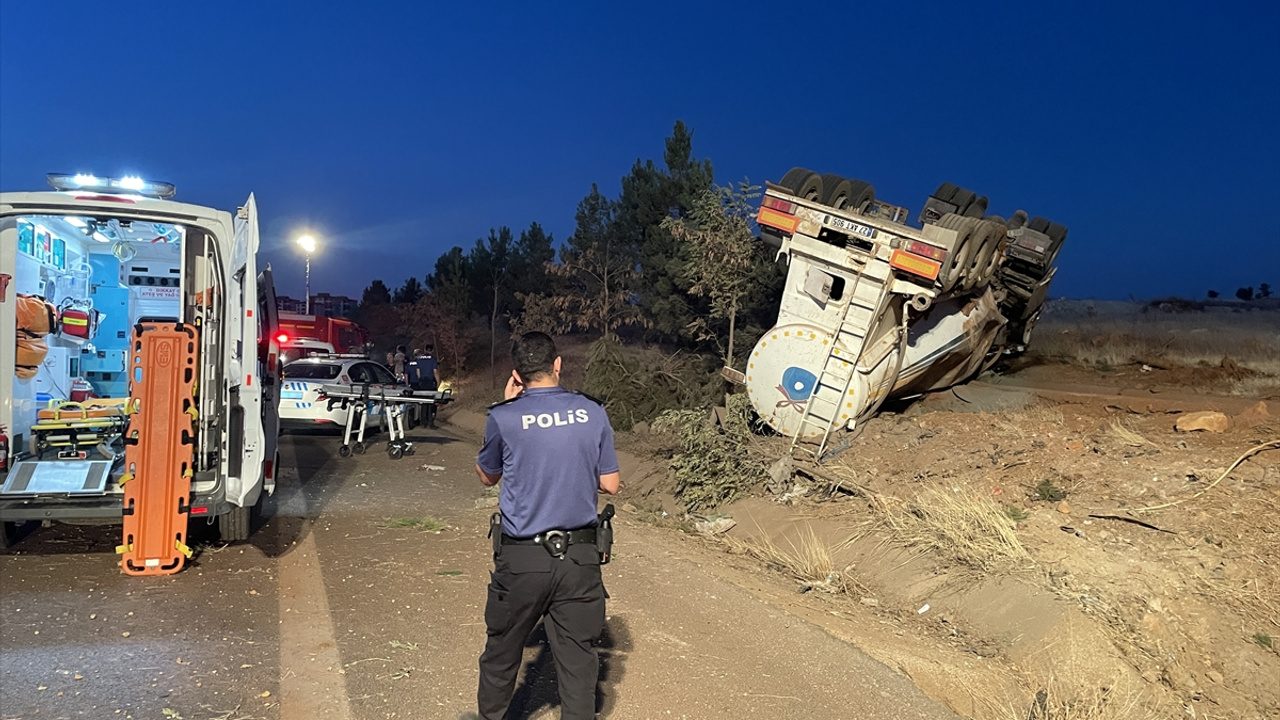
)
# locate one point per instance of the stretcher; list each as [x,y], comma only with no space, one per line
[71,428]
[360,400]
[159,448]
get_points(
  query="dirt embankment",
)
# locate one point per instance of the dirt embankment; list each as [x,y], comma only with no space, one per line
[1042,543]
[995,547]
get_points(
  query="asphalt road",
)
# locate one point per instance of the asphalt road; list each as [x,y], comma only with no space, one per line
[333,611]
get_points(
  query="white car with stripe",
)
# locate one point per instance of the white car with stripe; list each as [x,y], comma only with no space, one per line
[301,402]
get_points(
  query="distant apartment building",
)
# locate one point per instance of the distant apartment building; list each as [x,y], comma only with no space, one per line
[322,305]
[284,303]
[339,306]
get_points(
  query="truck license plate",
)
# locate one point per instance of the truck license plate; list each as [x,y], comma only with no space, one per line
[851,227]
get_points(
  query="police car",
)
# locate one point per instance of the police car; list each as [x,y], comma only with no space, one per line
[301,402]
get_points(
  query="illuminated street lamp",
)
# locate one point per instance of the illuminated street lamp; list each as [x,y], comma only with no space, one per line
[308,245]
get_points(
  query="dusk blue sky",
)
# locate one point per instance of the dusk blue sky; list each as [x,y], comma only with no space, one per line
[397,130]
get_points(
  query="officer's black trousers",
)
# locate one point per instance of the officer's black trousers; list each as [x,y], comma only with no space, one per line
[526,585]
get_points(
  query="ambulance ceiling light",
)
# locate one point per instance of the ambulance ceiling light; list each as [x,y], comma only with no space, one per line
[97,235]
[131,184]
[76,221]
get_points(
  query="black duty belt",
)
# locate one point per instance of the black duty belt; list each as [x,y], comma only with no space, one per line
[573,537]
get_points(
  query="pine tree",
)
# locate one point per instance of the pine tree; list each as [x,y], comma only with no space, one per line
[534,249]
[650,195]
[591,287]
[491,262]
[409,293]
[450,283]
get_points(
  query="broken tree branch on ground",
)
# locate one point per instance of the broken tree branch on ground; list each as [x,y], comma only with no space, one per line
[1272,445]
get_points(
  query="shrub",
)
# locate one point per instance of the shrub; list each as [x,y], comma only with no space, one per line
[638,384]
[714,464]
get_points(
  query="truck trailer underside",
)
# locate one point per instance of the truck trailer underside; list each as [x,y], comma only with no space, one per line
[874,308]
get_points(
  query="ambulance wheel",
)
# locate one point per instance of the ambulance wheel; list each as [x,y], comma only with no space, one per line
[9,532]
[358,448]
[235,525]
[344,451]
[395,452]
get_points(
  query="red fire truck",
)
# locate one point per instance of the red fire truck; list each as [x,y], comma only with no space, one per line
[301,334]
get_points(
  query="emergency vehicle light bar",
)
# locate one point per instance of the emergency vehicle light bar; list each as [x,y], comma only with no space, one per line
[131,185]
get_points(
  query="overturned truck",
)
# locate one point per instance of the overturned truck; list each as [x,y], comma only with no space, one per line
[874,308]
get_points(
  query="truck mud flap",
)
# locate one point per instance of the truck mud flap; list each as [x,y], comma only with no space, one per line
[159,448]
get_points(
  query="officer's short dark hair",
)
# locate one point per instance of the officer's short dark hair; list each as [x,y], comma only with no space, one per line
[533,354]
[428,347]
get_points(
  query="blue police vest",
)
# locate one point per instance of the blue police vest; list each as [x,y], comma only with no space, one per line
[551,446]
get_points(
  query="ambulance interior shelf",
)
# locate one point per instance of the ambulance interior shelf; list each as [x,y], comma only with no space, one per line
[85,282]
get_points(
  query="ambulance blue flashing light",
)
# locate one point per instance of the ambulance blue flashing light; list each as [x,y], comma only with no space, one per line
[131,185]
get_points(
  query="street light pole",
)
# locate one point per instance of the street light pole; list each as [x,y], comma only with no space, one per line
[308,245]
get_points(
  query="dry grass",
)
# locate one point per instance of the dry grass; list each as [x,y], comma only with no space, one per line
[1119,332]
[807,558]
[1117,430]
[1026,422]
[1055,703]
[973,530]
[1257,386]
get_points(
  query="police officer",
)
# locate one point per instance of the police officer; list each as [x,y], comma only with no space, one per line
[424,374]
[554,451]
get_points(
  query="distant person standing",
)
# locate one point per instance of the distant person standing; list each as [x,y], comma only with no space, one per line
[424,374]
[398,361]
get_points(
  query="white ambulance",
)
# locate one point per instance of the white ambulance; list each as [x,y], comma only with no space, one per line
[83,269]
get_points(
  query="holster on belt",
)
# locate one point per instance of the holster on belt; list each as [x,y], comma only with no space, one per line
[495,534]
[604,534]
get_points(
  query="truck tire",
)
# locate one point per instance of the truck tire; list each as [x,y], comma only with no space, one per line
[835,191]
[235,525]
[997,219]
[955,266]
[977,208]
[1038,224]
[945,192]
[861,195]
[962,199]
[984,241]
[803,183]
[1017,219]
[993,253]
[794,177]
[1057,233]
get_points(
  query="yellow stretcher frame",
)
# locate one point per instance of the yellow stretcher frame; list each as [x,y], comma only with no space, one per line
[75,425]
